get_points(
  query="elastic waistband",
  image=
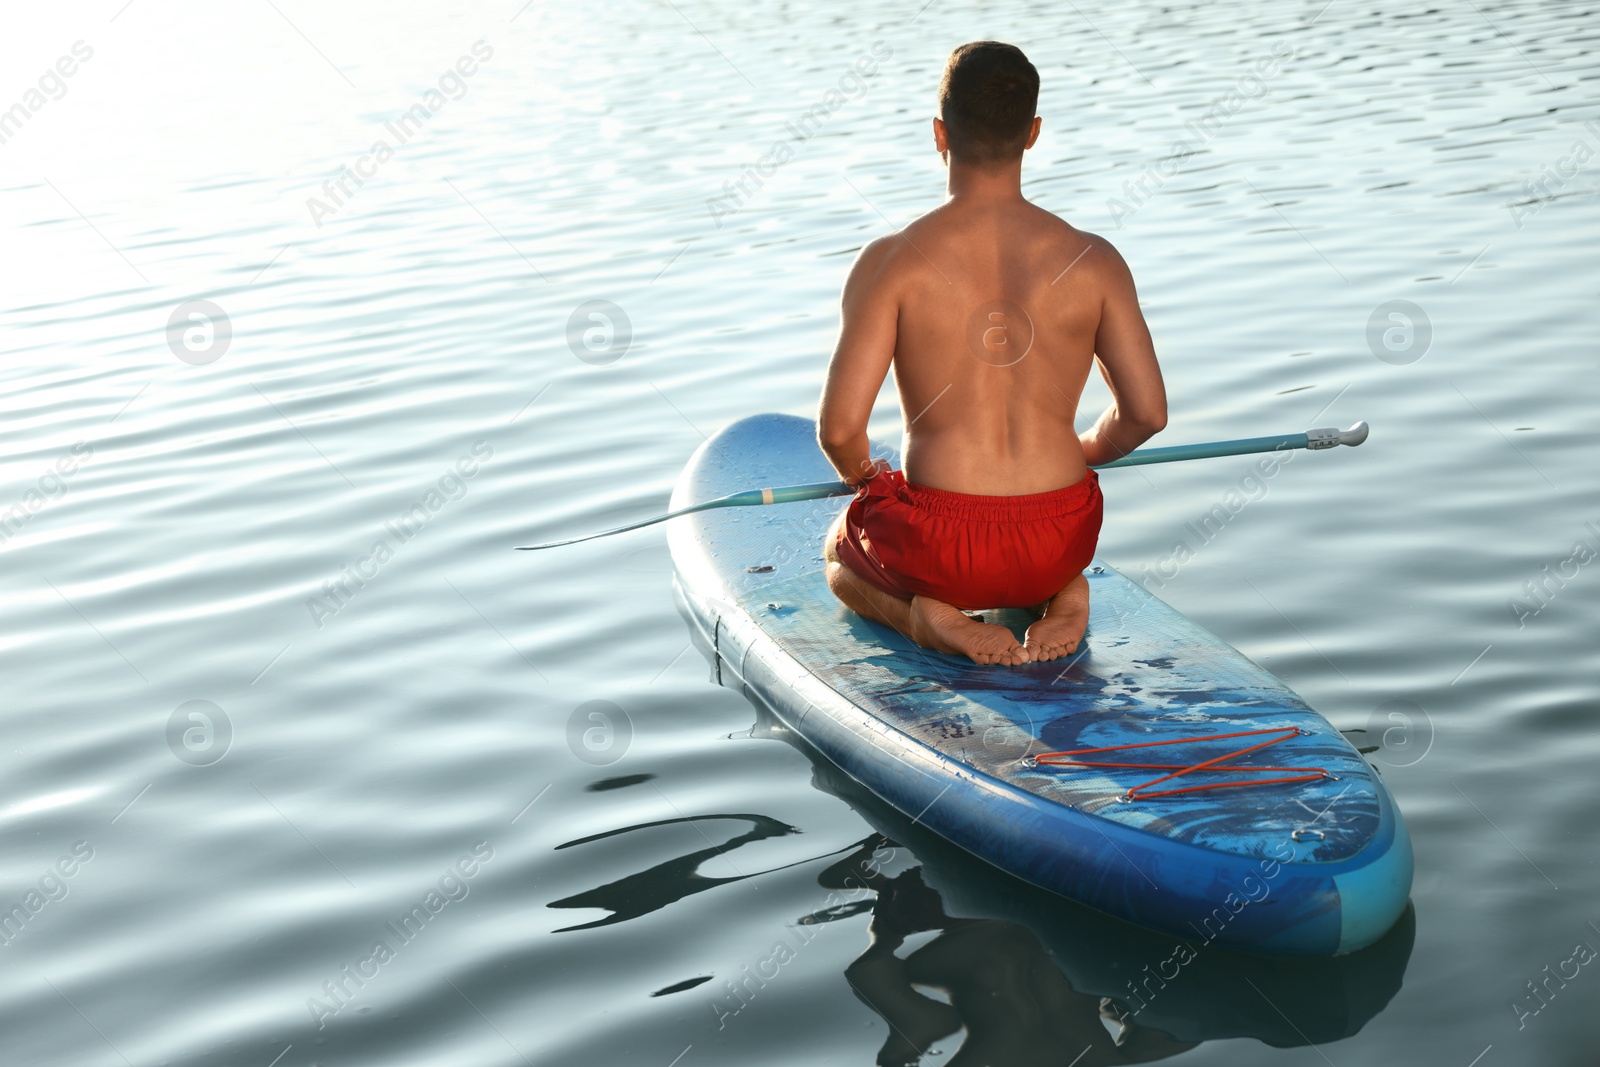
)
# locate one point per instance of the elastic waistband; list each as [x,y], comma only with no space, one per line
[1031,507]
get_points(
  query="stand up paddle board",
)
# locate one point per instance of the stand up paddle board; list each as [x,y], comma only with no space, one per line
[1157,774]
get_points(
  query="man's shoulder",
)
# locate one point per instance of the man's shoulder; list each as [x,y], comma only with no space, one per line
[876,260]
[1054,228]
[881,249]
[1096,254]
[888,256]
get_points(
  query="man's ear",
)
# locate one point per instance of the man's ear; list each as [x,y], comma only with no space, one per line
[941,142]
[1033,134]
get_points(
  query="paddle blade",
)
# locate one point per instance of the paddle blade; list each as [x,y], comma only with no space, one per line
[783,494]
[625,529]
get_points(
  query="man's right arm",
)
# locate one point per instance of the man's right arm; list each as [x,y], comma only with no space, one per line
[1127,360]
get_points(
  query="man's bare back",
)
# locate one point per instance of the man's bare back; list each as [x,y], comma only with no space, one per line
[990,311]
[997,308]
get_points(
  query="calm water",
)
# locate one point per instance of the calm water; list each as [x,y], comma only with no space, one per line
[304,522]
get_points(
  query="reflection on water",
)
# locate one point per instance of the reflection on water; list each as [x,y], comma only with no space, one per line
[1002,989]
[639,894]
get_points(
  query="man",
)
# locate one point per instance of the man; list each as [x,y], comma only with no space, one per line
[991,312]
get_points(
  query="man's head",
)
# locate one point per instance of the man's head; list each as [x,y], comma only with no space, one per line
[987,100]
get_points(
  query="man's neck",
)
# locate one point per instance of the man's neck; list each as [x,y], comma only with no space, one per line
[970,184]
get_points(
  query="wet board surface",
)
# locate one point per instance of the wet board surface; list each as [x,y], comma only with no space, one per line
[1318,867]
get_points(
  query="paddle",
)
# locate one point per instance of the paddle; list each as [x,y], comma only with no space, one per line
[1326,437]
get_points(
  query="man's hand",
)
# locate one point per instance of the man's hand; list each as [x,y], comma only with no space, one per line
[870,469]
[1114,435]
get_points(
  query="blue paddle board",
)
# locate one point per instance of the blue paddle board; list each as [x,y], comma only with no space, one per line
[1315,867]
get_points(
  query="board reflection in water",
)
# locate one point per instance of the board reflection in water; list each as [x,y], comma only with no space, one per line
[1001,985]
[1022,976]
[1163,995]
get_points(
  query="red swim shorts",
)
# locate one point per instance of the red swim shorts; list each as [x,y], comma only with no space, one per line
[970,551]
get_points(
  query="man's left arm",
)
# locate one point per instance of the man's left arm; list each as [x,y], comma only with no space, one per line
[869,320]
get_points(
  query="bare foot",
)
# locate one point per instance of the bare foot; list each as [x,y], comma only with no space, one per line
[1065,618]
[937,625]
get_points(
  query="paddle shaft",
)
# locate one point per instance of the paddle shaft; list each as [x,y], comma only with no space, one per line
[1244,446]
[786,494]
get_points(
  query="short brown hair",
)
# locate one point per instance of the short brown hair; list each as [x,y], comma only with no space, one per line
[987,99]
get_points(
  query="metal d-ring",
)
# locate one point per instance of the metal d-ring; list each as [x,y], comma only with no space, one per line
[1310,835]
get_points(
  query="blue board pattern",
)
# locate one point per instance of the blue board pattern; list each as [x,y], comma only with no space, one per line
[1312,868]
